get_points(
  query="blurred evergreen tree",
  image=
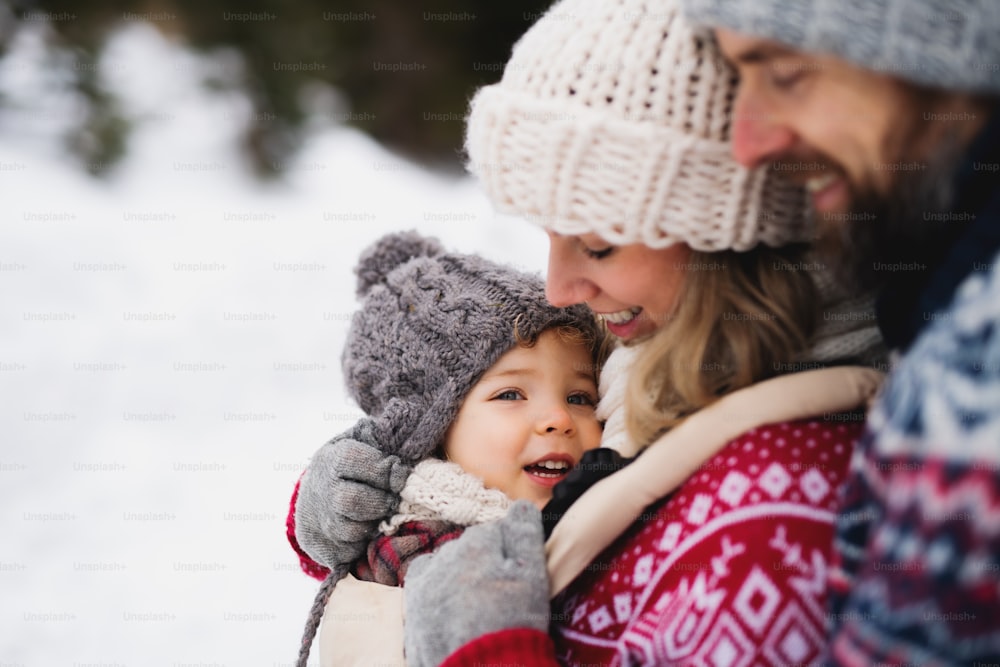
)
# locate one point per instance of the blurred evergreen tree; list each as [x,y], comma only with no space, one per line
[404,69]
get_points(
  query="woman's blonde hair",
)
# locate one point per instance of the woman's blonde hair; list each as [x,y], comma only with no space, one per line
[739,319]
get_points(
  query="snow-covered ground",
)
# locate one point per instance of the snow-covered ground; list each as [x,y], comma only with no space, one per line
[169,359]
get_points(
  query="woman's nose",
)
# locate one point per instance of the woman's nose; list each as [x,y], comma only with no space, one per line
[565,283]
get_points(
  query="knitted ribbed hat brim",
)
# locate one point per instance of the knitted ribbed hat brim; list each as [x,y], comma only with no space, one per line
[613,117]
[578,171]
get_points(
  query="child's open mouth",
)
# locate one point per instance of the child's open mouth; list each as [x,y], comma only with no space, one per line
[549,471]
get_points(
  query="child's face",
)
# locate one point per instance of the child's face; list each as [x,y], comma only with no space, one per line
[529,419]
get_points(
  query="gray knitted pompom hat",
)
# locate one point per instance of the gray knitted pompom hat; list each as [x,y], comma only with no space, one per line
[431,323]
[951,44]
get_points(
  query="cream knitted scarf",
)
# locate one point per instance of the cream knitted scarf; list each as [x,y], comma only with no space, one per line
[441,490]
[611,408]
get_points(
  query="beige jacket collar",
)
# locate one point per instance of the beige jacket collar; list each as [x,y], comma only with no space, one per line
[609,507]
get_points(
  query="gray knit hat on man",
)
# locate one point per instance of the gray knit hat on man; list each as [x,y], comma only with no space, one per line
[949,44]
[431,323]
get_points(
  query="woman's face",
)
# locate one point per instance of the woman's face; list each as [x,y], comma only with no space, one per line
[633,288]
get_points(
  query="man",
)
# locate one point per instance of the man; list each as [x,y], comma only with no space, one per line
[887,111]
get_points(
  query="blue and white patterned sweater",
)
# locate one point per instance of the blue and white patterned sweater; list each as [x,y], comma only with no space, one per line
[917,580]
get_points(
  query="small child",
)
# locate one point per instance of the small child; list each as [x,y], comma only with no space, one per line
[469,376]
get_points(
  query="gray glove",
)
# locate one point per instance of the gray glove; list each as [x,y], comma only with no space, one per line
[349,487]
[491,578]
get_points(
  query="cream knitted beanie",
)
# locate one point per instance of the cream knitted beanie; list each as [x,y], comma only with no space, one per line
[613,117]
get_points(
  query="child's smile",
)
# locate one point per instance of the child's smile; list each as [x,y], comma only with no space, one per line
[529,419]
[550,470]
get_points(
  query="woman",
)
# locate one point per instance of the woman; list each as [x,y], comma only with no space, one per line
[610,129]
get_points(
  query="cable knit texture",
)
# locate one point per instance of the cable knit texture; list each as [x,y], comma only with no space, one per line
[431,323]
[941,43]
[614,118]
[441,490]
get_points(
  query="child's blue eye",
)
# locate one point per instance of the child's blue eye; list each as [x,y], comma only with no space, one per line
[580,399]
[508,395]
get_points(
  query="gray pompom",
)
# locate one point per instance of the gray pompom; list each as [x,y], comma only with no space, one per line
[389,252]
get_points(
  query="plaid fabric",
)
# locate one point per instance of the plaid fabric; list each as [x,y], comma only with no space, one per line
[390,555]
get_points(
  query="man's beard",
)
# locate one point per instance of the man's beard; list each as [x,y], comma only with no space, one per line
[899,235]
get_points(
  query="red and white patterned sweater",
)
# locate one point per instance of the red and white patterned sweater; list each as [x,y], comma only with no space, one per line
[731,569]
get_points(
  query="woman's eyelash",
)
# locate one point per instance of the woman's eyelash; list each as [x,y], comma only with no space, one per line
[785,82]
[598,254]
[786,77]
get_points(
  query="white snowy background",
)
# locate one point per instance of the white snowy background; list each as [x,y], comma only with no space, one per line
[169,359]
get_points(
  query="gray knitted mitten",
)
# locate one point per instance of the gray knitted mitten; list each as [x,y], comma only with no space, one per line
[349,487]
[491,578]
